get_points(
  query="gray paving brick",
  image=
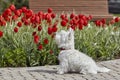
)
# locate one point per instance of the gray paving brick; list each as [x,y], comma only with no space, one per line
[49,73]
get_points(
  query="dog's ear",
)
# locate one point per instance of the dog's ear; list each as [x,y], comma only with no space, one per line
[70,33]
[70,30]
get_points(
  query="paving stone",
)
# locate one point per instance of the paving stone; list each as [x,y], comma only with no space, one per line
[49,73]
[37,76]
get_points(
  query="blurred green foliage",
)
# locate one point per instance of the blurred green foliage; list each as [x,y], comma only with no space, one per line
[18,3]
[14,58]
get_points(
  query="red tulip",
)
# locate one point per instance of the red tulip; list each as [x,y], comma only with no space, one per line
[39,28]
[85,23]
[46,41]
[117,19]
[34,33]
[80,16]
[84,17]
[103,21]
[32,19]
[1,34]
[15,29]
[40,13]
[47,16]
[7,12]
[98,23]
[24,9]
[26,22]
[50,10]
[80,27]
[54,29]
[76,17]
[19,24]
[12,7]
[40,47]
[72,15]
[75,22]
[17,12]
[3,23]
[15,17]
[1,18]
[37,19]
[50,30]
[63,23]
[90,17]
[71,22]
[53,15]
[20,10]
[66,19]
[28,14]
[63,16]
[7,18]
[43,16]
[81,21]
[23,19]
[36,39]
[112,21]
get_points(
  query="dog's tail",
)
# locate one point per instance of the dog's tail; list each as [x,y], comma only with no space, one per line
[103,69]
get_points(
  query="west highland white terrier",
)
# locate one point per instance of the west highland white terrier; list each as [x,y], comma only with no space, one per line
[70,59]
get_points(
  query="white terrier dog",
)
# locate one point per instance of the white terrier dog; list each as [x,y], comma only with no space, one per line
[72,60]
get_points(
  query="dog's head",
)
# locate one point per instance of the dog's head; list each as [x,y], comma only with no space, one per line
[65,39]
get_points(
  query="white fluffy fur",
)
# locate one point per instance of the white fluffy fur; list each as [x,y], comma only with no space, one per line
[72,60]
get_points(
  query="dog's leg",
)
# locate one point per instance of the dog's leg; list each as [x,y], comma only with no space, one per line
[60,71]
[82,71]
[63,68]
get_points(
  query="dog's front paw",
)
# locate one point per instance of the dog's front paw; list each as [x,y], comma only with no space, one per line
[60,72]
[83,72]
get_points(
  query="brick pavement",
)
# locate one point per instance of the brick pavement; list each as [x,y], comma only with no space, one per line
[49,73]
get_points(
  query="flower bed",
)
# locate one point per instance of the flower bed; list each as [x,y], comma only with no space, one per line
[27,38]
